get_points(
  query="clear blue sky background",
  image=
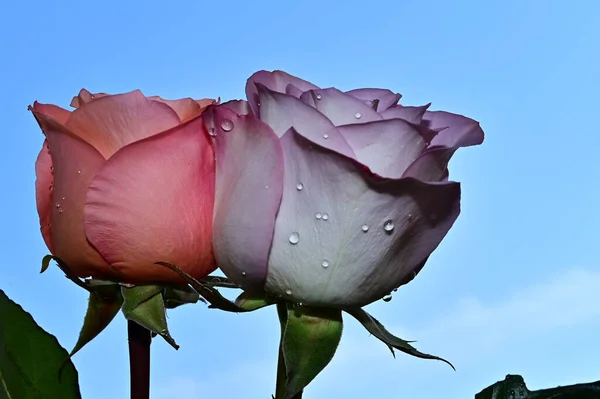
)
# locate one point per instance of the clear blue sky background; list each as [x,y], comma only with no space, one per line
[514,288]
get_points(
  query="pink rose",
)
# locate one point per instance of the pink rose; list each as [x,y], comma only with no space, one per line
[124,181]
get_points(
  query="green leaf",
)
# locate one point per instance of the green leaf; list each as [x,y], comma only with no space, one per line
[103,306]
[30,358]
[310,339]
[145,305]
[378,330]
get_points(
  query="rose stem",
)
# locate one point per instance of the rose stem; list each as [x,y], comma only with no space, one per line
[139,360]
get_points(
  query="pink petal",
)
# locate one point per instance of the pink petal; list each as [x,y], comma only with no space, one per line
[387,147]
[277,81]
[153,201]
[112,122]
[432,165]
[184,107]
[382,98]
[409,114]
[340,108]
[75,163]
[44,185]
[205,102]
[57,113]
[248,192]
[240,107]
[281,112]
[455,130]
[335,262]
[85,97]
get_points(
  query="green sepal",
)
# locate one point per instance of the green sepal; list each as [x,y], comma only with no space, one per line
[377,329]
[253,301]
[206,290]
[103,305]
[65,269]
[145,305]
[177,296]
[218,281]
[310,339]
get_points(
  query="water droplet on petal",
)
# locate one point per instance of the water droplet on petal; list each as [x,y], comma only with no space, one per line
[299,186]
[63,198]
[60,210]
[357,115]
[266,186]
[227,125]
[325,264]
[289,292]
[52,168]
[294,238]
[51,187]
[58,204]
[325,136]
[319,96]
[318,216]
[387,298]
[78,171]
[212,132]
[244,274]
[409,217]
[388,226]
[364,228]
[325,216]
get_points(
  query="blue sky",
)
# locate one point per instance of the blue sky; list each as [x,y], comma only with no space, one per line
[515,286]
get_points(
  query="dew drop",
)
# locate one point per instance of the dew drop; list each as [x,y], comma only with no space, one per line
[387,298]
[388,226]
[52,168]
[227,125]
[244,274]
[294,238]
[63,198]
[409,217]
[60,210]
[325,264]
[319,96]
[51,187]
[299,186]
[357,115]
[318,216]
[266,186]
[78,171]
[212,132]
[325,136]
[364,228]
[288,291]
[325,216]
[58,204]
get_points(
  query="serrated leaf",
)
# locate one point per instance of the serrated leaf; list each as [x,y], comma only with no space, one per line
[30,358]
[377,329]
[145,305]
[310,339]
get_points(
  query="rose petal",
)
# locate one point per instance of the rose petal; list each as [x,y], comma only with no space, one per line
[153,201]
[44,185]
[57,113]
[205,102]
[432,165]
[386,147]
[184,107]
[276,81]
[85,97]
[240,107]
[409,113]
[281,112]
[75,163]
[360,266]
[340,108]
[455,130]
[248,192]
[385,98]
[112,122]
[293,91]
